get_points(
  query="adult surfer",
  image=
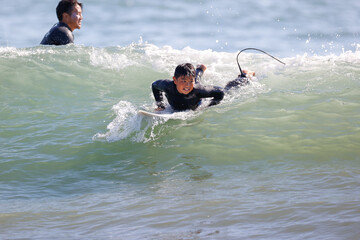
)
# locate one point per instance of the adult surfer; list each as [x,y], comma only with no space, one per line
[69,13]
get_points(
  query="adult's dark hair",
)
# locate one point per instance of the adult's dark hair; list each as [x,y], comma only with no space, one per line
[185,69]
[66,6]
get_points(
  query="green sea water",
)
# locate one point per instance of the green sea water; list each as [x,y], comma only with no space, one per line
[278,159]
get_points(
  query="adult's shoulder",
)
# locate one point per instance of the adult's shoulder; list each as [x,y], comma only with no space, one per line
[59,34]
[63,30]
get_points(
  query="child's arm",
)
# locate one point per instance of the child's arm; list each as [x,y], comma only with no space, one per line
[157,89]
[216,93]
[200,69]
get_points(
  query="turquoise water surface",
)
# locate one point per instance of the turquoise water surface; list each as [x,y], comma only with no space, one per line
[278,159]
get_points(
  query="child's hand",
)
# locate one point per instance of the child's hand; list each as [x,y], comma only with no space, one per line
[202,66]
[158,109]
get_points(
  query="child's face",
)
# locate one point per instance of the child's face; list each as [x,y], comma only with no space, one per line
[184,84]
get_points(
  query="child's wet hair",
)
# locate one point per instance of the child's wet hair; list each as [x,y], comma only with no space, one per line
[185,69]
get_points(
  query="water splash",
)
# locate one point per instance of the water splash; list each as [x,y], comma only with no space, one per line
[126,123]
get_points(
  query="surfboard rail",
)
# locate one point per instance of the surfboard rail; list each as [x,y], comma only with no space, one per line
[154,114]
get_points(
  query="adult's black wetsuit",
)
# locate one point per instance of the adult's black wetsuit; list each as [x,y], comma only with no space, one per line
[59,34]
[181,102]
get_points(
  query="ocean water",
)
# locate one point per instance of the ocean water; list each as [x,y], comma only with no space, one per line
[278,159]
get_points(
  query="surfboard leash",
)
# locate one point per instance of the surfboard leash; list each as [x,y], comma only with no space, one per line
[256,49]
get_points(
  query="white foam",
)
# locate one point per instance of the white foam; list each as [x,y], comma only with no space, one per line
[110,59]
[125,123]
[129,124]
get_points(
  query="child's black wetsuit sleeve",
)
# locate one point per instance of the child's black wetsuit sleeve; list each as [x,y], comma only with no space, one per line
[158,87]
[216,93]
[198,75]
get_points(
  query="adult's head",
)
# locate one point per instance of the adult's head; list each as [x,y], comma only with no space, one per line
[70,12]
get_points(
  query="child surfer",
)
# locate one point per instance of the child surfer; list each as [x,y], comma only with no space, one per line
[184,92]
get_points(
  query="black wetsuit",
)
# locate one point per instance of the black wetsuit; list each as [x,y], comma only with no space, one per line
[59,34]
[181,102]
[238,82]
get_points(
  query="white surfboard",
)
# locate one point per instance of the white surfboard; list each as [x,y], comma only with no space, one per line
[155,114]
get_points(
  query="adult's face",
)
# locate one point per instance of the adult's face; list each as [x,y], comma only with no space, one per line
[73,20]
